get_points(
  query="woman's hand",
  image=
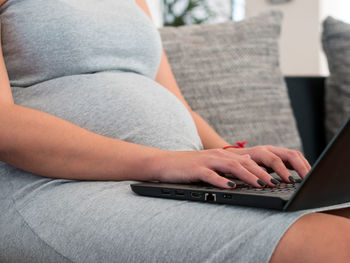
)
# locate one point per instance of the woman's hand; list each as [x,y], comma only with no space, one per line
[278,159]
[205,165]
[194,166]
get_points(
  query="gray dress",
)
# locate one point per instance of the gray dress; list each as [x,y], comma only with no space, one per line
[93,63]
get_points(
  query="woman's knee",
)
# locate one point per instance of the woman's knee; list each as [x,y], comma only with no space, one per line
[315,238]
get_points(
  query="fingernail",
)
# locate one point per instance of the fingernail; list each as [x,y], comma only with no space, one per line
[231,184]
[291,179]
[261,182]
[274,181]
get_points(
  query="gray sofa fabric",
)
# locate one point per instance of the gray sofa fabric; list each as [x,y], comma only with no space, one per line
[229,73]
[336,44]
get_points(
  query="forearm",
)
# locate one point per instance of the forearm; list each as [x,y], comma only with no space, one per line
[210,138]
[46,145]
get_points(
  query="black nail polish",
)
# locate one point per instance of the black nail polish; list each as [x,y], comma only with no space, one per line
[274,181]
[231,184]
[291,179]
[261,182]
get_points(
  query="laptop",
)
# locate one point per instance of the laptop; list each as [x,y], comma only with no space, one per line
[327,183]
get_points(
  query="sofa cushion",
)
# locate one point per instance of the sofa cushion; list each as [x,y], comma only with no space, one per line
[229,74]
[336,44]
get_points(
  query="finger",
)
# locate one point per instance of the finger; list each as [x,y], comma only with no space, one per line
[293,158]
[213,178]
[290,167]
[234,168]
[264,169]
[267,169]
[272,160]
[258,171]
[304,160]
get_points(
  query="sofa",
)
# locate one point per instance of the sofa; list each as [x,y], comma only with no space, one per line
[230,74]
[321,104]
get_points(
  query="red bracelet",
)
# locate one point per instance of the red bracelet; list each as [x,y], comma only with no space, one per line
[239,145]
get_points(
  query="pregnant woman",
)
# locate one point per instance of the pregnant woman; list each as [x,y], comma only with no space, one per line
[89,105]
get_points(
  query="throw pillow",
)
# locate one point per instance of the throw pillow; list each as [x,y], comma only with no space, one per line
[229,74]
[336,44]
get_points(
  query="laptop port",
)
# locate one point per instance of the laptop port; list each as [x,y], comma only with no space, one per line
[166,191]
[179,193]
[227,196]
[210,197]
[196,194]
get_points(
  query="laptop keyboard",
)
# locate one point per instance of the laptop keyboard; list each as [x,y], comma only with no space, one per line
[283,188]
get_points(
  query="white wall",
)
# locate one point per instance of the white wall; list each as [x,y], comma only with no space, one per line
[339,9]
[300,45]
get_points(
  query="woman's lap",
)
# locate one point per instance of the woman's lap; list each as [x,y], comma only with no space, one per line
[86,221]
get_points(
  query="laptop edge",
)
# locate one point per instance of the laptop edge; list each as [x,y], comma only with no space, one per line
[330,191]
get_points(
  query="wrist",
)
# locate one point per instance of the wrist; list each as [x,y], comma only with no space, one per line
[134,162]
[237,146]
[154,164]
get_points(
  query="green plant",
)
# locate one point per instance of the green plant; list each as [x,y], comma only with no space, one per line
[191,12]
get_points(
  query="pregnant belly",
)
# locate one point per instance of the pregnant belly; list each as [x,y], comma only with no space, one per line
[125,106]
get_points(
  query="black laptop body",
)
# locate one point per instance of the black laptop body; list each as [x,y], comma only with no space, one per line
[327,183]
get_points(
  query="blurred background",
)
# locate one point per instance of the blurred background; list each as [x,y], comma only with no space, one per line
[300,46]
